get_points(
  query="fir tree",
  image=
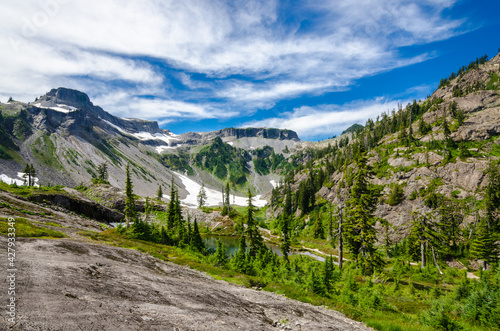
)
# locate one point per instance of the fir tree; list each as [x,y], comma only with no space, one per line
[32,172]
[27,175]
[130,211]
[239,261]
[196,241]
[328,273]
[318,229]
[360,232]
[171,211]
[423,229]
[254,237]
[285,245]
[202,196]
[226,202]
[219,259]
[102,172]
[492,197]
[315,283]
[484,247]
[159,193]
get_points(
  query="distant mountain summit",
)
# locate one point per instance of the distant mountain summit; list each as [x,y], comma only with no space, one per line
[66,137]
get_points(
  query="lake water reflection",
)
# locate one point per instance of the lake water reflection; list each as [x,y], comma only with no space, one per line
[232,244]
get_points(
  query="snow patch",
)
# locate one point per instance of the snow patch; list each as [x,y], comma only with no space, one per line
[273,183]
[19,181]
[161,149]
[157,136]
[143,135]
[214,197]
[115,126]
[60,107]
[230,143]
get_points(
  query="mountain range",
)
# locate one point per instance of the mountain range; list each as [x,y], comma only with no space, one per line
[66,137]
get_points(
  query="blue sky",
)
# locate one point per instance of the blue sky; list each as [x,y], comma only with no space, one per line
[314,66]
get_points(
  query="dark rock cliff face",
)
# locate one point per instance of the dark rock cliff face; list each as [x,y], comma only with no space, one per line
[259,133]
[266,133]
[81,207]
[69,97]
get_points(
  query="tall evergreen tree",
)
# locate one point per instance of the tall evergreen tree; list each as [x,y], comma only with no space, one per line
[328,273]
[318,229]
[102,172]
[196,241]
[360,232]
[424,229]
[159,193]
[285,245]
[239,261]
[202,196]
[32,172]
[484,246]
[219,258]
[130,211]
[27,175]
[492,197]
[255,240]
[171,211]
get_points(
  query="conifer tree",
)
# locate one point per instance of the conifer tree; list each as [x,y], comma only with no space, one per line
[219,258]
[130,211]
[196,241]
[27,175]
[239,262]
[285,245]
[32,172]
[159,193]
[254,237]
[315,283]
[202,196]
[171,211]
[424,229]
[102,172]
[360,232]
[328,273]
[492,197]
[318,229]
[484,247]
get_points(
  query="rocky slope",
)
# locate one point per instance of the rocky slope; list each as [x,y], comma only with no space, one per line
[455,171]
[76,283]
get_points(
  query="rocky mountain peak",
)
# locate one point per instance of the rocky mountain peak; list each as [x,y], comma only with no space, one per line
[66,96]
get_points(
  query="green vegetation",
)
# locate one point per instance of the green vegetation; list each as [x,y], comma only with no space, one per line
[179,162]
[24,228]
[223,161]
[463,70]
[45,151]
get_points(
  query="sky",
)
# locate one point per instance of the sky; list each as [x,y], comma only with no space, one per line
[313,66]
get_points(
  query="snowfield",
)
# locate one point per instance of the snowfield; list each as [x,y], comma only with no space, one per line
[19,181]
[214,198]
[148,136]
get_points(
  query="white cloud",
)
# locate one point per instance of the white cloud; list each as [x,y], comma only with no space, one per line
[312,122]
[252,58]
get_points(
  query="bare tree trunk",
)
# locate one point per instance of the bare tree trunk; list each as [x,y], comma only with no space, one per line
[341,241]
[422,252]
[435,261]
